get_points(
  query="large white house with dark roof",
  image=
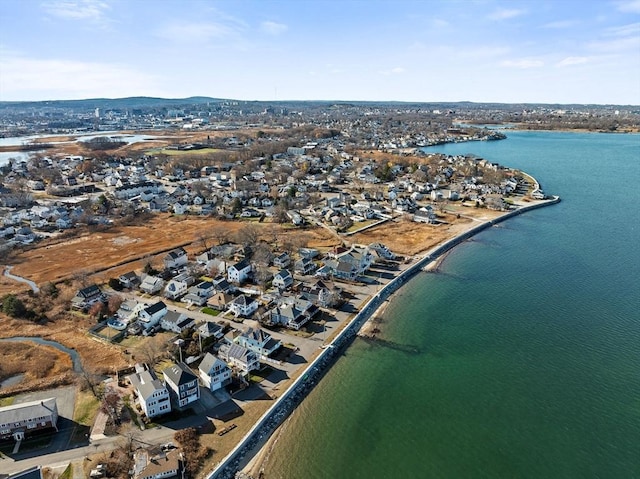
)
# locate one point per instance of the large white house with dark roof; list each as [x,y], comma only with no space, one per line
[182,383]
[152,394]
[214,372]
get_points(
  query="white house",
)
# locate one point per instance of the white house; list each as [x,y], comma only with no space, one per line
[239,357]
[282,279]
[214,372]
[175,258]
[239,272]
[151,315]
[176,322]
[151,284]
[177,286]
[152,394]
[243,306]
[259,341]
[182,383]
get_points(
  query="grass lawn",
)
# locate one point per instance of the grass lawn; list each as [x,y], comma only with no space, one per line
[86,408]
[261,375]
[211,311]
[361,224]
[8,401]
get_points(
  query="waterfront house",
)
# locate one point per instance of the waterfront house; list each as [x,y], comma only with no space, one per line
[293,313]
[182,383]
[259,341]
[214,372]
[152,394]
[239,358]
[18,420]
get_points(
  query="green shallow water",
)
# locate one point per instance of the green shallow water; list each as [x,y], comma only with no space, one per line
[528,342]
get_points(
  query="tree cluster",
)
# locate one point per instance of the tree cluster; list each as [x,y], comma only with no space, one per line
[194,453]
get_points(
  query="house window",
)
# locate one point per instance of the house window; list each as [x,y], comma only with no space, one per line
[31,426]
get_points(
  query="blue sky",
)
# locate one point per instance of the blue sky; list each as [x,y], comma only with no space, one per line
[552,51]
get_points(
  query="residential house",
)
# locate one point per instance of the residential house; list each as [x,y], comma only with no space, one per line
[87,296]
[176,322]
[425,215]
[239,358]
[219,301]
[238,273]
[178,286]
[129,280]
[282,260]
[127,310]
[259,341]
[210,329]
[150,464]
[243,306]
[182,383]
[282,279]
[150,316]
[214,372]
[199,293]
[175,258]
[17,420]
[151,284]
[152,394]
[293,314]
[322,293]
[304,266]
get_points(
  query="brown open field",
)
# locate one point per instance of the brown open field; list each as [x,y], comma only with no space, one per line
[410,238]
[114,251]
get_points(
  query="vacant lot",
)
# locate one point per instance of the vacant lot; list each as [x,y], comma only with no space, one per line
[409,238]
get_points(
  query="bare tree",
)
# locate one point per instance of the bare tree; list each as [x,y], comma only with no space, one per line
[248,235]
[151,351]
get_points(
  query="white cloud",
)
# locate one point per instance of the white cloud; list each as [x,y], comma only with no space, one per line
[632,29]
[273,28]
[572,61]
[196,32]
[523,63]
[561,24]
[88,10]
[505,13]
[628,6]
[44,79]
[393,71]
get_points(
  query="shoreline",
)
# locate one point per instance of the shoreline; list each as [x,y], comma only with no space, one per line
[252,446]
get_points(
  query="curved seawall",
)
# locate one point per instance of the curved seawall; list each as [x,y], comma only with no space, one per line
[285,404]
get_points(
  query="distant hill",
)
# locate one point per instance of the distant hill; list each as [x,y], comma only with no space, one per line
[112,103]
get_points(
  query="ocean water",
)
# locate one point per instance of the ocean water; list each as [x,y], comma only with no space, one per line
[527,342]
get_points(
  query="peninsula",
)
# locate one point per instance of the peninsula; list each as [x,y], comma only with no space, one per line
[202,275]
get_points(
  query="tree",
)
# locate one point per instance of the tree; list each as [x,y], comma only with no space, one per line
[114,303]
[110,405]
[13,306]
[151,351]
[248,235]
[97,310]
[220,233]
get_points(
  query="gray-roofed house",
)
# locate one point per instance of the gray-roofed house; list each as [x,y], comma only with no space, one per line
[175,258]
[210,329]
[239,358]
[282,279]
[214,372]
[259,341]
[182,383]
[19,419]
[243,306]
[152,394]
[176,322]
